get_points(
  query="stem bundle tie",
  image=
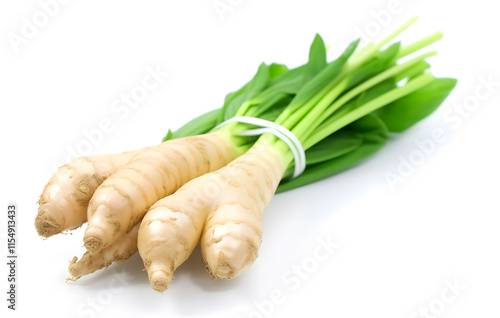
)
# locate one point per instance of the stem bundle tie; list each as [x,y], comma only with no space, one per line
[299,155]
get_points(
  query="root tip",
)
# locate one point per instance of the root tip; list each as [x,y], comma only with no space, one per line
[221,269]
[46,227]
[160,281]
[72,279]
[92,244]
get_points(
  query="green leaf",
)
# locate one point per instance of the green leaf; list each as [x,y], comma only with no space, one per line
[375,65]
[317,58]
[199,125]
[286,84]
[325,77]
[276,70]
[271,107]
[374,135]
[289,83]
[291,76]
[333,146]
[235,100]
[168,136]
[204,123]
[272,113]
[407,111]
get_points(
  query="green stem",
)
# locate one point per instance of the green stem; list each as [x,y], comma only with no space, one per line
[244,108]
[415,46]
[312,118]
[412,71]
[330,127]
[289,120]
[324,109]
[321,112]
[400,30]
[371,48]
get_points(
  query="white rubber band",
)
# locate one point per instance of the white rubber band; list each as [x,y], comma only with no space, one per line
[299,155]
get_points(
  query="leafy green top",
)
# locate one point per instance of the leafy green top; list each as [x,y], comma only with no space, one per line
[342,111]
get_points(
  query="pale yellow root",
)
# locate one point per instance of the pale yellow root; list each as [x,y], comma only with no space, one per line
[232,234]
[123,199]
[170,231]
[64,200]
[121,250]
[232,197]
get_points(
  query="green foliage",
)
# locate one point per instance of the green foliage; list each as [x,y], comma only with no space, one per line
[342,111]
[407,111]
[197,126]
[357,141]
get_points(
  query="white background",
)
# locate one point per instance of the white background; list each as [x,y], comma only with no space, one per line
[399,246]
